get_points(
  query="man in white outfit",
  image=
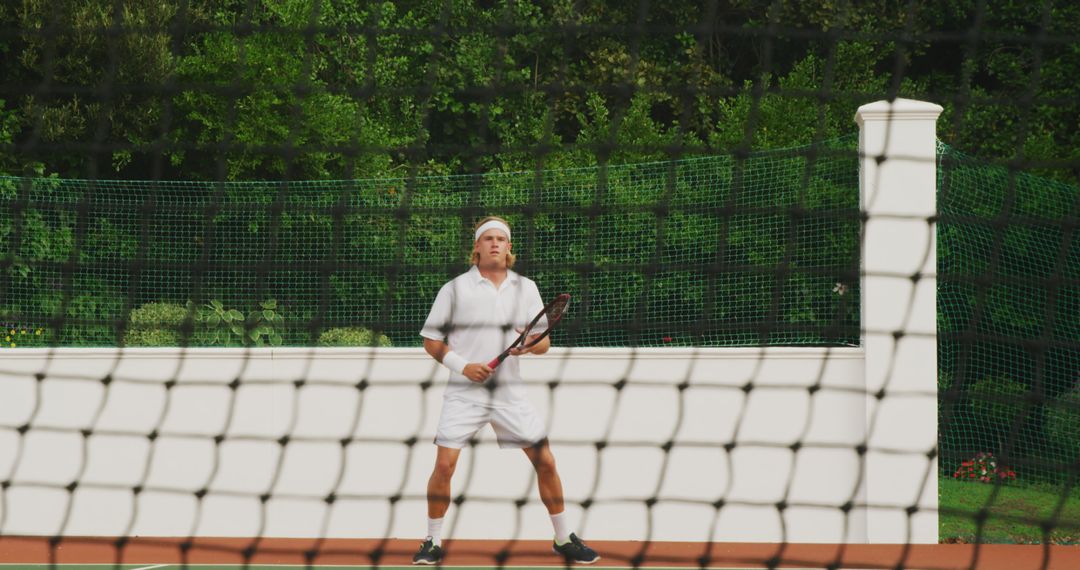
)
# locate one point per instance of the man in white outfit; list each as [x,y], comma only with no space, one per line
[474,317]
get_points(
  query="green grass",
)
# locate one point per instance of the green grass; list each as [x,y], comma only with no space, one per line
[1016,515]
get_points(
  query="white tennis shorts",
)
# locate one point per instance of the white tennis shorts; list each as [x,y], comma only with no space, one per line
[516,427]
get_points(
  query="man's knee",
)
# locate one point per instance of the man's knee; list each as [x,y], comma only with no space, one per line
[547,464]
[444,469]
[543,461]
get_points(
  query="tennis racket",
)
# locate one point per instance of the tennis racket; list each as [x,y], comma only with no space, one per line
[554,312]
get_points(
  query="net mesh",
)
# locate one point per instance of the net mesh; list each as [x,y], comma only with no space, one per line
[305,174]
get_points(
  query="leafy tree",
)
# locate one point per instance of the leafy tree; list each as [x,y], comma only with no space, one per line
[100,89]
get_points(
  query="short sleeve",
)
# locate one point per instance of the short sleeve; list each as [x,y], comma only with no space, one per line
[438,320]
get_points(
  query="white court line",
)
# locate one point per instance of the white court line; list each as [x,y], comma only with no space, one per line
[149,567]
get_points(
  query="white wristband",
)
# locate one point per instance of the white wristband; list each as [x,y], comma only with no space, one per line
[454,361]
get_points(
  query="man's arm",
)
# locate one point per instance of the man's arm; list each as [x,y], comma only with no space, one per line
[475,371]
[436,349]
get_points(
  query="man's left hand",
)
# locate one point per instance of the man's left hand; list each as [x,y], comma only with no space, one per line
[525,349]
[518,351]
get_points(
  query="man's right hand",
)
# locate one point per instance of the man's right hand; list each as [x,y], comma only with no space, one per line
[477,371]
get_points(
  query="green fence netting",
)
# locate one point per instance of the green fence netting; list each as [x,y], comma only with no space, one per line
[760,249]
[1008,318]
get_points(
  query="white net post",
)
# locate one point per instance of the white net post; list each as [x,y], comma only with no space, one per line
[898,181]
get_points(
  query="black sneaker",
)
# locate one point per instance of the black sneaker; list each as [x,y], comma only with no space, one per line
[430,553]
[576,551]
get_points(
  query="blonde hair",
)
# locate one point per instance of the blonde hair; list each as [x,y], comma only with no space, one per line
[474,257]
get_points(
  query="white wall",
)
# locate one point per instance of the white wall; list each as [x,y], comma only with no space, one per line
[759,472]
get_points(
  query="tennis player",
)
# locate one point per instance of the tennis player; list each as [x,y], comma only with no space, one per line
[474,318]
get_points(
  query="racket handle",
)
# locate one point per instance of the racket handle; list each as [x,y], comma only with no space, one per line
[495,362]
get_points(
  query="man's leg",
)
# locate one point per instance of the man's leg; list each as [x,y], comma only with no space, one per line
[438,495]
[458,423]
[438,489]
[547,476]
[551,493]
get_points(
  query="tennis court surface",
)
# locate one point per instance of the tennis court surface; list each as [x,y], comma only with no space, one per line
[279,554]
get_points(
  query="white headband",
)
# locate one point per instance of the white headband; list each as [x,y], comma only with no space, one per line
[492,224]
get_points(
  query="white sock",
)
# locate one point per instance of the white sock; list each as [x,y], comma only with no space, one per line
[434,529]
[562,535]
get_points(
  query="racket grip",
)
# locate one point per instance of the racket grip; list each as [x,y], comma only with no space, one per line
[495,362]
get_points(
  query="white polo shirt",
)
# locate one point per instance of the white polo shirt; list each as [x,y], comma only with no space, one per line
[478,321]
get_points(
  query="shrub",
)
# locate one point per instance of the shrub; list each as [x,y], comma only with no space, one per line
[156,324]
[1063,425]
[352,336]
[219,325]
[997,402]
